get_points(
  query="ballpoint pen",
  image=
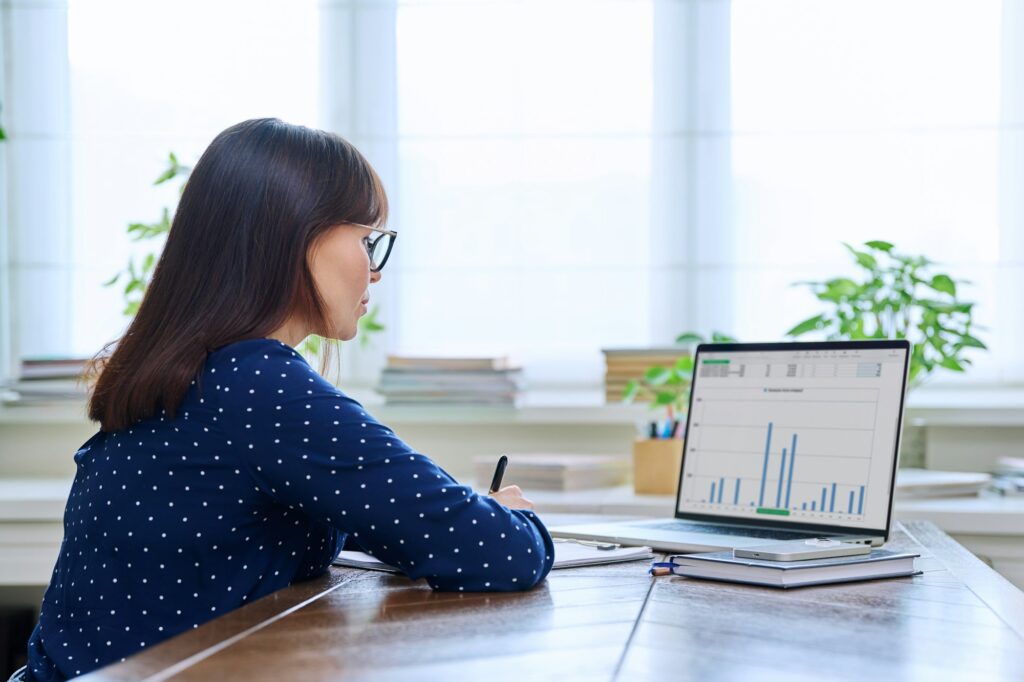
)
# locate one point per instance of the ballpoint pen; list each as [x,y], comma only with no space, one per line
[499,472]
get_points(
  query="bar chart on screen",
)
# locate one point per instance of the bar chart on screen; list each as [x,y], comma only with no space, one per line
[792,451]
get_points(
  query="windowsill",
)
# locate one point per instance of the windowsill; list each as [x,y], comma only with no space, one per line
[44,500]
[925,407]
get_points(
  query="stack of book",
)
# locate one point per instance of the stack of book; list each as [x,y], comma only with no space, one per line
[557,471]
[419,380]
[921,483]
[625,364]
[45,380]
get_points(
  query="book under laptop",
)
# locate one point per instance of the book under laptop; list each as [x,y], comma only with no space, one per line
[783,441]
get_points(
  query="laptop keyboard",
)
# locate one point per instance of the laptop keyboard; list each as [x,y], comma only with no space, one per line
[688,527]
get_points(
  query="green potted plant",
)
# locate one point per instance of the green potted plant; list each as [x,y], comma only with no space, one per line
[669,387]
[658,457]
[898,296]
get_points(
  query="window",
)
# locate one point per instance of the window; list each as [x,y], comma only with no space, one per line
[140,80]
[898,121]
[524,156]
[566,175]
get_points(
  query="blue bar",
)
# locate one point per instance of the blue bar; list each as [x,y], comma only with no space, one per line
[792,460]
[832,504]
[803,505]
[721,487]
[814,504]
[712,492]
[823,499]
[764,469]
[782,474]
[736,495]
[851,502]
[860,503]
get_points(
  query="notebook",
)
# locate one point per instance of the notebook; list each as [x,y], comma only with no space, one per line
[567,555]
[880,563]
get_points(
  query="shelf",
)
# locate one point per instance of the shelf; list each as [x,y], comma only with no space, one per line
[925,407]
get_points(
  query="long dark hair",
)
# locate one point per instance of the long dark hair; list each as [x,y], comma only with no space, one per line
[235,263]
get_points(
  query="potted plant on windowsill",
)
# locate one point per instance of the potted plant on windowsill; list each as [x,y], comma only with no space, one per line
[657,457]
[898,297]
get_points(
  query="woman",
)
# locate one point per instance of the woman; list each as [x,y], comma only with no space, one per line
[225,467]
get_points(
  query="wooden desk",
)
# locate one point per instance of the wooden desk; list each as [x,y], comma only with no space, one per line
[958,620]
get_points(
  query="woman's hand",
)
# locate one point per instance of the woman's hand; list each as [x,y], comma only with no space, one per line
[512,497]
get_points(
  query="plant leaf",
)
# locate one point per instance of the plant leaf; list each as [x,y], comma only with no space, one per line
[944,284]
[630,392]
[656,376]
[951,363]
[810,324]
[689,337]
[969,341]
[685,364]
[866,260]
[879,245]
[663,398]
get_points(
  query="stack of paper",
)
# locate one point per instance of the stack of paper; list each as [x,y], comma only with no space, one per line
[537,471]
[568,554]
[419,380]
[918,483]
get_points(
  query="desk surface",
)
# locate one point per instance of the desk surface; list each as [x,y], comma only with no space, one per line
[959,619]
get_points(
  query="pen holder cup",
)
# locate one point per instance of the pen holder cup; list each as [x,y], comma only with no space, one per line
[656,464]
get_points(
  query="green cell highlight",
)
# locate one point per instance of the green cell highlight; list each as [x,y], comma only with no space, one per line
[773,510]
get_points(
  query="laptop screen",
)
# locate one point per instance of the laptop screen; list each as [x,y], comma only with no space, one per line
[800,434]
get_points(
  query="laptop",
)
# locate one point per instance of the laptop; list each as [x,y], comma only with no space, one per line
[784,441]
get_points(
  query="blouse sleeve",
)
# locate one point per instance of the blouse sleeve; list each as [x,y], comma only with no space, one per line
[312,448]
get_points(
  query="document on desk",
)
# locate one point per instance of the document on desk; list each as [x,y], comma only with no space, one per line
[568,554]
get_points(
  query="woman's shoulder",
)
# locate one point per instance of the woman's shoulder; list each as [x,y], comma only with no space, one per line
[255,364]
[253,351]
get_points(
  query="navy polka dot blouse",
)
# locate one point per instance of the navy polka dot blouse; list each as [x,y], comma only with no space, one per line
[252,486]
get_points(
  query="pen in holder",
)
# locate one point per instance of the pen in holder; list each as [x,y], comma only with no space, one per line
[656,463]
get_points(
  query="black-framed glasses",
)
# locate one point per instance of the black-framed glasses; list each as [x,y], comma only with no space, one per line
[379,247]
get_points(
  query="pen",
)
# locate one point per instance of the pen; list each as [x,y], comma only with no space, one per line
[653,430]
[499,472]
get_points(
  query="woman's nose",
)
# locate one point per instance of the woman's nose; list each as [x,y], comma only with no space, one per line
[374,277]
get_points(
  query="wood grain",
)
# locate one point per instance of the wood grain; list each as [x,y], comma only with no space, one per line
[957,620]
